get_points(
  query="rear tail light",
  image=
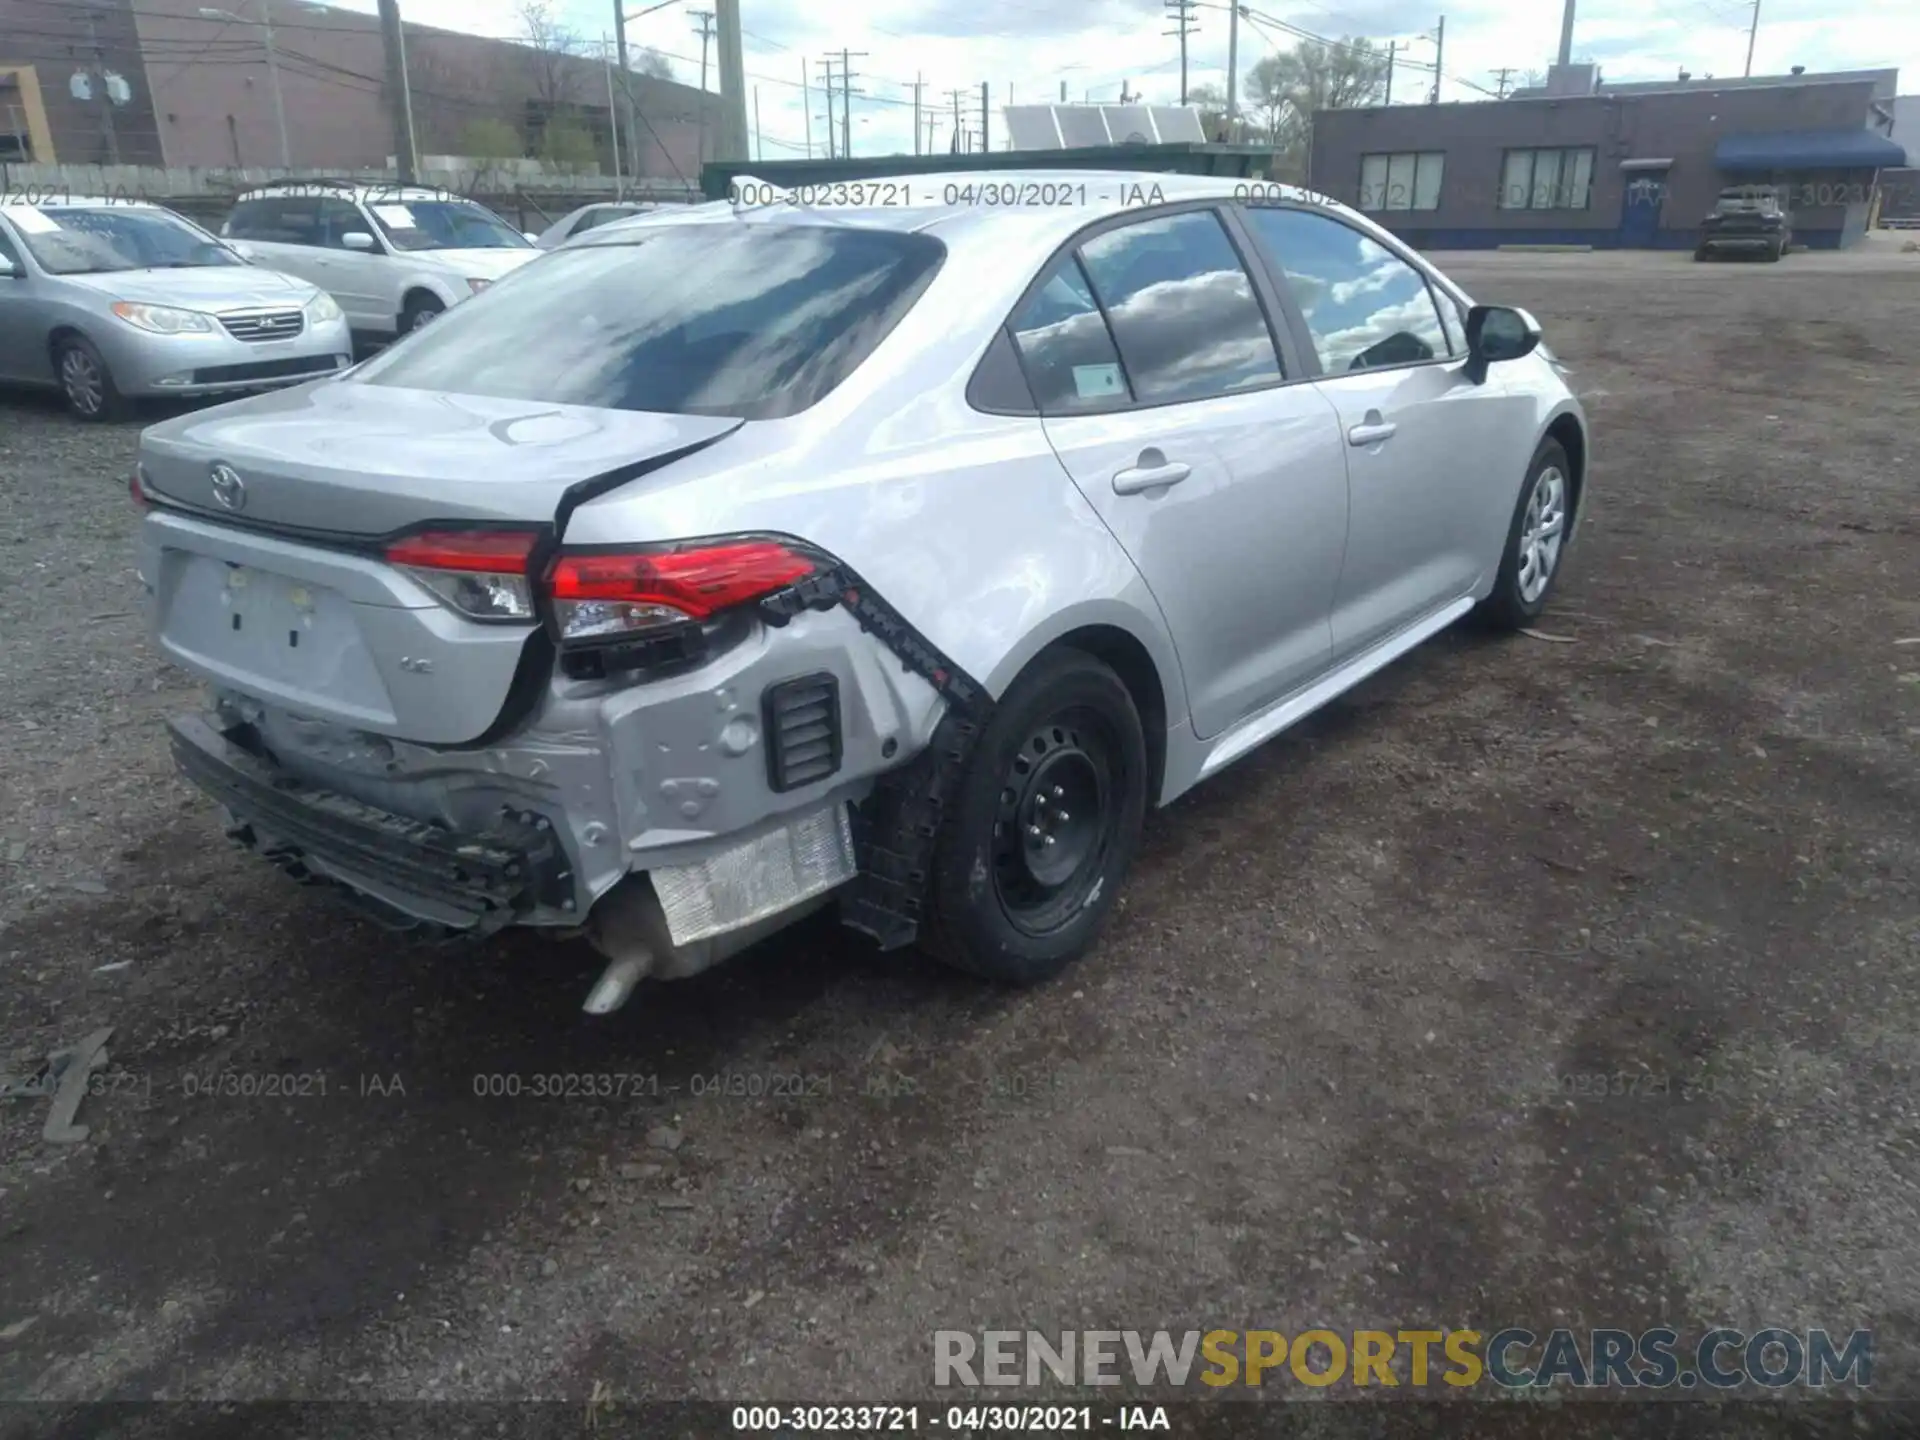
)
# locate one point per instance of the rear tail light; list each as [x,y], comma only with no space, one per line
[137,487]
[622,595]
[480,573]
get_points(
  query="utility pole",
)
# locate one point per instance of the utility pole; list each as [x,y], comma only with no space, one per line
[1181,13]
[955,96]
[1393,50]
[826,73]
[97,71]
[613,119]
[806,106]
[1566,34]
[759,150]
[733,82]
[919,79]
[1233,70]
[1063,92]
[703,25]
[846,98]
[626,89]
[1753,33]
[1439,55]
[1500,78]
[399,94]
[986,142]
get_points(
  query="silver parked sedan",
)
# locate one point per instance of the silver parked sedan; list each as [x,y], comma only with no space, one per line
[110,299]
[902,561]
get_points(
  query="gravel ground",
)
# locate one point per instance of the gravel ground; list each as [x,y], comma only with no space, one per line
[1312,1076]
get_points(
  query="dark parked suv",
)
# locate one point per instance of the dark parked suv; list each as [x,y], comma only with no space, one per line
[1746,219]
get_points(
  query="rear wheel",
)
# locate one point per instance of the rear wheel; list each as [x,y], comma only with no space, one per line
[85,381]
[421,311]
[1775,251]
[1045,826]
[1700,252]
[1535,541]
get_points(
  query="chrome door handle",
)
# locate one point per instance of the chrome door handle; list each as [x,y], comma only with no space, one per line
[1132,481]
[1371,434]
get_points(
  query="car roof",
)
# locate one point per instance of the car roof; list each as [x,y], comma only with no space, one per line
[952,203]
[309,189]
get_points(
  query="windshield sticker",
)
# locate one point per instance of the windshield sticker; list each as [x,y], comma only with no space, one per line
[398,216]
[30,220]
[1096,382]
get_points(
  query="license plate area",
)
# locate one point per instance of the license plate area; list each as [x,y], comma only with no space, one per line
[273,635]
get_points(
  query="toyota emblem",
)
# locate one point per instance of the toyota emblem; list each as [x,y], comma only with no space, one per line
[228,488]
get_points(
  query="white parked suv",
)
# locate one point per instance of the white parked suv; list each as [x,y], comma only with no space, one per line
[392,257]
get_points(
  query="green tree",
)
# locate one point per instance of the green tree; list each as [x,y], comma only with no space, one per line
[568,145]
[1285,89]
[491,139]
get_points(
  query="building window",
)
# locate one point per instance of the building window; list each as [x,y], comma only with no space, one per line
[1547,180]
[1406,181]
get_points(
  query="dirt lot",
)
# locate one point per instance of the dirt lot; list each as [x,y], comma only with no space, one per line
[1312,1076]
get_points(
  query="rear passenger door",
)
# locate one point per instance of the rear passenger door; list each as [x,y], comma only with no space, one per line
[282,233]
[1163,388]
[1419,434]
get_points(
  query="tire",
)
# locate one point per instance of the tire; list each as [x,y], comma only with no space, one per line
[1518,594]
[1774,252]
[420,311]
[1033,850]
[1700,254]
[86,384]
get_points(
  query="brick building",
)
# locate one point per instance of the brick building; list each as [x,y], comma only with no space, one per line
[165,84]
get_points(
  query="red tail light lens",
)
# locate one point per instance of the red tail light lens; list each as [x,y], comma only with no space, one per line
[480,573]
[136,487]
[608,596]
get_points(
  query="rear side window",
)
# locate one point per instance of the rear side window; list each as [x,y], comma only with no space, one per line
[753,321]
[1182,307]
[1365,306]
[1065,348]
[292,221]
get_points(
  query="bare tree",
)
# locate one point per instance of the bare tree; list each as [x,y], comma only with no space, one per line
[650,62]
[554,48]
[1287,88]
[1211,102]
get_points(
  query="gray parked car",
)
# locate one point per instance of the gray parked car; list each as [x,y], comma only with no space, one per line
[904,559]
[110,299]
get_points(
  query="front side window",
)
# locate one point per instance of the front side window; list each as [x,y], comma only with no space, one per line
[1066,349]
[93,240]
[1182,307]
[1406,180]
[443,225]
[1364,305]
[1547,179]
[779,317]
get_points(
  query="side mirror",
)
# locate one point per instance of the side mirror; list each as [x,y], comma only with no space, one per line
[9,270]
[357,240]
[528,235]
[1496,333]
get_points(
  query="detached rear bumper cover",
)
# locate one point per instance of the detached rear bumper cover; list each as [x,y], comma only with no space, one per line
[400,869]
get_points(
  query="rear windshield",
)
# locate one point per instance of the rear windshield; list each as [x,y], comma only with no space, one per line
[752,321]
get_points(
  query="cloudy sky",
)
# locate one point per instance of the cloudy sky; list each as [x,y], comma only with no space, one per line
[1029,48]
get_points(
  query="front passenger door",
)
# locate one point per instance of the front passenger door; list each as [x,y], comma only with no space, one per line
[1161,388]
[1426,495]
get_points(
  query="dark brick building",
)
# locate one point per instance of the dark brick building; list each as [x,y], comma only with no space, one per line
[1616,166]
[195,91]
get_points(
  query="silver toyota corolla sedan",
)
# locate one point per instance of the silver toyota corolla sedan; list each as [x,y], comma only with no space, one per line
[110,299]
[901,562]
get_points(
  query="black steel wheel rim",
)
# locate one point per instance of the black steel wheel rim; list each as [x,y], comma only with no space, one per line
[1055,819]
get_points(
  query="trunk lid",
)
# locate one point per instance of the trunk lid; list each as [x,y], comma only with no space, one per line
[274,598]
[363,460]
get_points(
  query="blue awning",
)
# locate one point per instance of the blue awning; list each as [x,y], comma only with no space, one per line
[1810,150]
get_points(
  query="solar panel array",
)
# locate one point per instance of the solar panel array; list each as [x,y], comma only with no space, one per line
[1069,127]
